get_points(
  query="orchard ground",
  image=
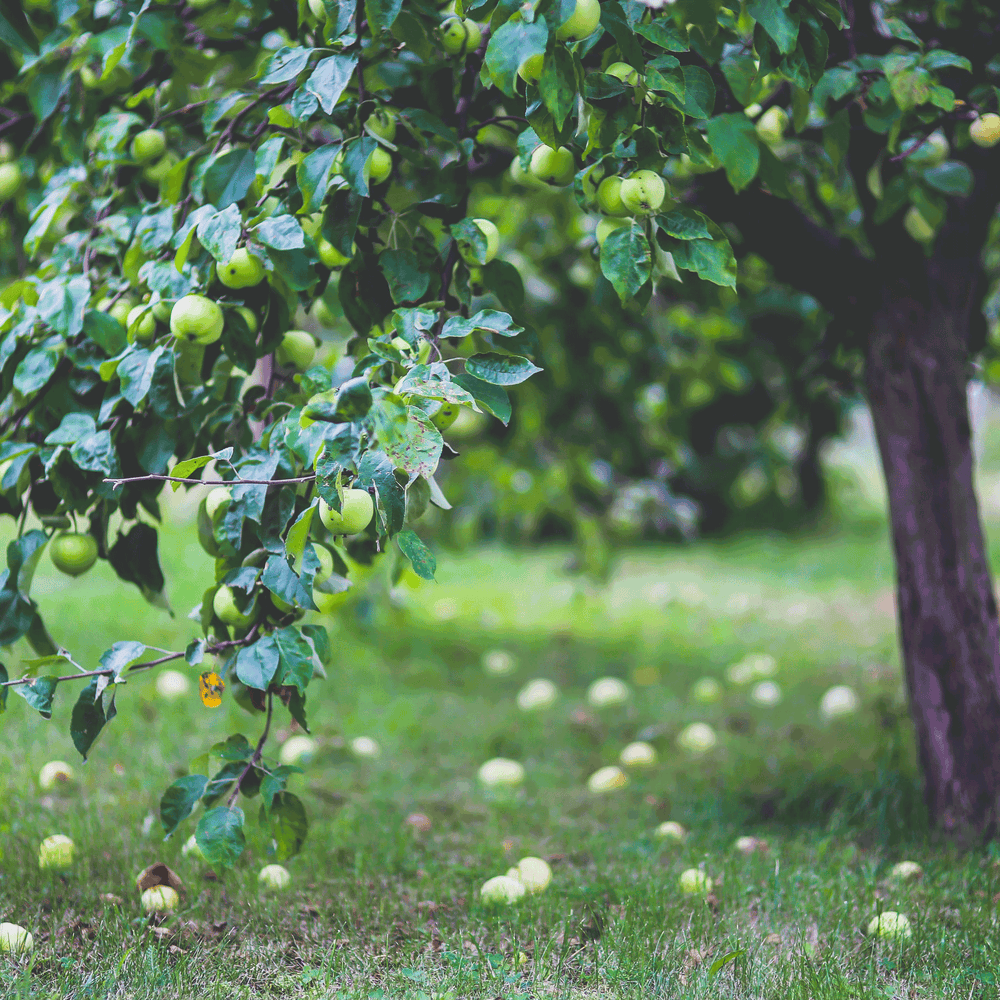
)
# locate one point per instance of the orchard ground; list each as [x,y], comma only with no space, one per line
[376,909]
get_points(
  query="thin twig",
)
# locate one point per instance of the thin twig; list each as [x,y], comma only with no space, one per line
[210,482]
[501,118]
[255,759]
[279,93]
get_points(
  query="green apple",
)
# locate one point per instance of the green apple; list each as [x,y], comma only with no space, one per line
[325,557]
[244,270]
[330,255]
[891,926]
[10,181]
[502,890]
[56,774]
[643,192]
[216,503]
[467,252]
[196,319]
[533,873]
[318,9]
[537,695]
[607,226]
[917,226]
[930,152]
[6,151]
[906,871]
[638,755]
[606,779]
[355,515]
[771,125]
[73,553]
[326,603]
[670,830]
[609,196]
[297,348]
[161,311]
[119,310]
[149,144]
[706,691]
[553,166]
[530,69]
[607,692]
[160,899]
[582,23]
[141,325]
[156,173]
[224,605]
[297,750]
[838,701]
[14,938]
[500,772]
[459,36]
[274,877]
[249,317]
[379,166]
[697,738]
[56,852]
[624,72]
[382,123]
[694,882]
[985,130]
[172,684]
[446,415]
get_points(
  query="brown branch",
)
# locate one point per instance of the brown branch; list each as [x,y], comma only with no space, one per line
[279,93]
[210,482]
[255,759]
[179,111]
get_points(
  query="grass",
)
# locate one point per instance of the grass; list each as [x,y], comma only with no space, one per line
[376,910]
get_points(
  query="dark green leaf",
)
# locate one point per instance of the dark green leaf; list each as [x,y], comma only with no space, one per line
[406,434]
[381,13]
[491,398]
[296,658]
[220,836]
[407,281]
[38,693]
[274,782]
[14,28]
[122,655]
[229,177]
[289,824]
[256,665]
[281,579]
[699,92]
[952,177]
[286,64]
[626,262]
[179,800]
[313,172]
[509,46]
[502,369]
[282,232]
[105,331]
[135,558]
[484,321]
[219,234]
[355,160]
[421,558]
[330,79]
[375,469]
[734,141]
[778,22]
[89,715]
[684,224]
[559,83]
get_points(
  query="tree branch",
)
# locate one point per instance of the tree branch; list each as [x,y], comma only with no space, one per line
[255,759]
[210,482]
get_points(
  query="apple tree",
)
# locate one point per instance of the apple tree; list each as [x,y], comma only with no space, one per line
[184,178]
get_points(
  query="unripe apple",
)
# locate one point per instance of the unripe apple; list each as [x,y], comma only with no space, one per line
[56,852]
[625,72]
[149,144]
[274,877]
[606,227]
[533,873]
[160,899]
[502,890]
[56,774]
[244,270]
[445,415]
[161,312]
[326,603]
[582,23]
[607,779]
[985,130]
[249,317]
[330,255]
[553,166]
[355,514]
[196,319]
[459,36]
[14,938]
[10,181]
[224,605]
[156,173]
[318,9]
[931,152]
[638,755]
[607,692]
[698,738]
[771,125]
[189,356]
[6,151]
[500,772]
[643,192]
[297,348]
[365,747]
[706,691]
[695,882]
[670,830]
[609,196]
[217,501]
[379,166]
[530,69]
[141,325]
[917,226]
[73,553]
[537,695]
[382,122]
[891,926]
[297,750]
[492,235]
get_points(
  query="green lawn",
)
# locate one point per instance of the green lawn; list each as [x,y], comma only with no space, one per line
[375,910]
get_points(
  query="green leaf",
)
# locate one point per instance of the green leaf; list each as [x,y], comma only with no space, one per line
[900,29]
[89,714]
[95,453]
[492,398]
[72,427]
[282,232]
[712,260]
[355,159]
[23,555]
[105,331]
[135,558]
[34,370]
[219,234]
[381,13]
[38,693]
[684,224]
[626,262]
[616,24]
[256,665]
[407,281]
[229,177]
[286,64]
[183,470]
[14,28]
[734,141]
[421,558]
[405,434]
[699,92]
[484,321]
[312,174]
[665,34]
[953,178]
[330,79]
[940,58]
[720,963]
[559,83]
[223,781]
[782,26]
[220,836]
[500,369]
[296,658]
[281,580]
[504,280]
[179,800]
[288,823]
[376,470]
[274,782]
[509,46]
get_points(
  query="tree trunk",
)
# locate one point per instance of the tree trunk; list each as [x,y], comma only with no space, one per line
[917,382]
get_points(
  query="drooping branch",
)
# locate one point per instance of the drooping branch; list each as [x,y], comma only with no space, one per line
[256,757]
[210,482]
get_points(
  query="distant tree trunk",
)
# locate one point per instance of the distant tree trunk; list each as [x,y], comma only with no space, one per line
[917,379]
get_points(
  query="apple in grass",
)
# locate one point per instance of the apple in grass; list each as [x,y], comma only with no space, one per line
[694,882]
[502,890]
[297,750]
[243,270]
[890,926]
[537,695]
[160,899]
[56,774]
[73,553]
[172,684]
[56,852]
[196,319]
[553,166]
[638,755]
[274,877]
[606,779]
[15,939]
[697,739]
[607,692]
[500,772]
[670,830]
[533,873]
[582,23]
[355,514]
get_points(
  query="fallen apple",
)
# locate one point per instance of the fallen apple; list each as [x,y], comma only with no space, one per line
[706,691]
[172,684]
[502,890]
[607,779]
[533,873]
[890,926]
[365,747]
[697,738]
[906,871]
[638,755]
[297,750]
[536,695]
[274,877]
[766,693]
[840,700]
[499,663]
[694,881]
[14,938]
[56,774]
[607,692]
[160,899]
[670,830]
[500,772]
[56,852]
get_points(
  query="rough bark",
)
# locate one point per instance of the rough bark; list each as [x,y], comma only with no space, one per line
[947,613]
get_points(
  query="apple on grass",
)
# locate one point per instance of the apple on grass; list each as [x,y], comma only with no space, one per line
[499,663]
[537,695]
[196,319]
[766,693]
[365,748]
[694,882]
[73,553]
[502,890]
[838,701]
[56,774]
[607,779]
[160,899]
[56,852]
[639,755]
[697,738]
[500,772]
[357,510]
[274,877]
[15,938]
[297,750]
[906,871]
[890,926]
[607,692]
[243,270]
[533,873]
[670,830]
[706,691]
[172,684]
